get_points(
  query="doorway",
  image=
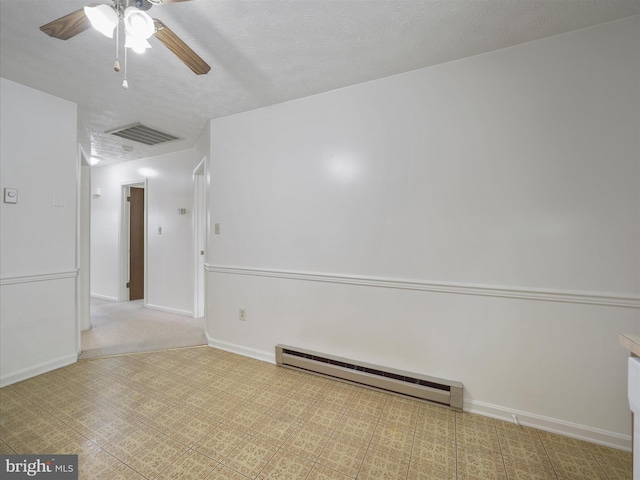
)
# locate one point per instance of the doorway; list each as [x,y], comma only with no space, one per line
[133,243]
[136,243]
[199,230]
[125,325]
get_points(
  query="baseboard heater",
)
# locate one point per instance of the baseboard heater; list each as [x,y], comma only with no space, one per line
[413,385]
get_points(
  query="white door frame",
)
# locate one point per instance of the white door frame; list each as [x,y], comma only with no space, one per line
[199,236]
[83,245]
[123,244]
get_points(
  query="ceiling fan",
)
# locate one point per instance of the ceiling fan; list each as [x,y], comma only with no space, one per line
[138,27]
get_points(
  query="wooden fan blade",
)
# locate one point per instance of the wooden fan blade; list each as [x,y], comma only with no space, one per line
[180,49]
[68,26]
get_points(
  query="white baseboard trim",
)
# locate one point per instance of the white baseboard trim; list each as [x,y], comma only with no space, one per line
[241,350]
[39,369]
[177,311]
[104,297]
[548,424]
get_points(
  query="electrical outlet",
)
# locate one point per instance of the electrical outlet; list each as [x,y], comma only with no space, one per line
[242,316]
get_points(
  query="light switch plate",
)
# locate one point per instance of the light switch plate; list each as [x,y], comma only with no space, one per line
[10,195]
[58,199]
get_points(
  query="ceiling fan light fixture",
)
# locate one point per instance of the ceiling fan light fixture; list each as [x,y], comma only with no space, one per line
[137,23]
[137,44]
[103,18]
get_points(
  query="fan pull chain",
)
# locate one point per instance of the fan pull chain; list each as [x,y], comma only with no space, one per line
[125,84]
[116,66]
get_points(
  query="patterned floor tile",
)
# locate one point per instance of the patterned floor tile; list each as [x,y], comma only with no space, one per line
[223,472]
[395,439]
[220,442]
[151,458]
[275,427]
[320,472]
[526,453]
[479,466]
[250,457]
[418,471]
[515,431]
[307,442]
[294,406]
[617,472]
[343,455]
[97,464]
[358,426]
[471,420]
[368,403]
[435,454]
[529,472]
[247,418]
[286,465]
[6,449]
[339,395]
[436,424]
[401,411]
[324,416]
[182,425]
[478,437]
[612,455]
[573,463]
[191,465]
[123,472]
[379,464]
[561,442]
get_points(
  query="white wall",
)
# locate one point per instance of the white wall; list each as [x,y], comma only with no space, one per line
[170,269]
[477,220]
[39,157]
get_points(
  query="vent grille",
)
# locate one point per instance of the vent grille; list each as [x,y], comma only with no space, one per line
[143,134]
[422,387]
[373,371]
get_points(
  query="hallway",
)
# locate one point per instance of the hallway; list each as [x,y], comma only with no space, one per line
[129,327]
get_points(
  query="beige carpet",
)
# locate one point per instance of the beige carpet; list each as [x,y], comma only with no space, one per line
[128,327]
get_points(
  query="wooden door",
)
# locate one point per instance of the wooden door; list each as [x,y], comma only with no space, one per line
[136,244]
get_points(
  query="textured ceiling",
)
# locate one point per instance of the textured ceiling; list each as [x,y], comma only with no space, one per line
[262,52]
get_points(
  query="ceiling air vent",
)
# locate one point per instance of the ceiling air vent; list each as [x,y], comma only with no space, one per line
[143,134]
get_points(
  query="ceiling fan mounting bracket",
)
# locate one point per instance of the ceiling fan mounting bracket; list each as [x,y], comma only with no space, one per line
[143,5]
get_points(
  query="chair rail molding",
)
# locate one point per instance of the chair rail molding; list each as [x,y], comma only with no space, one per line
[524,293]
[39,277]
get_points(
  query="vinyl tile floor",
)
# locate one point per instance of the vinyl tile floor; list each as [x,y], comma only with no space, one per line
[202,413]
